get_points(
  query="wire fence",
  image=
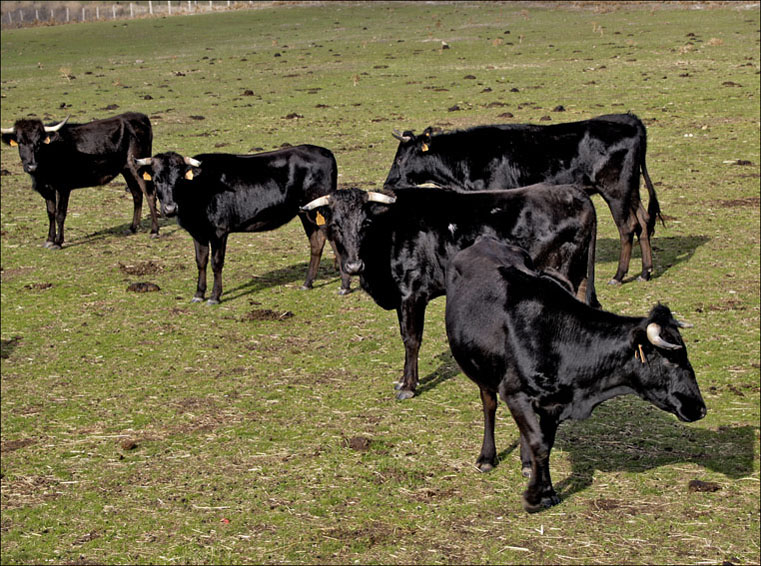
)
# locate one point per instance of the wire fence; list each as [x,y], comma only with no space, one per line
[21,14]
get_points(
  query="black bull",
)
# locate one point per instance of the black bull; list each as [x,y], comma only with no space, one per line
[215,194]
[606,154]
[518,334]
[400,245]
[67,156]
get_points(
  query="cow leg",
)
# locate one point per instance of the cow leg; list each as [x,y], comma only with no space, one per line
[411,316]
[202,258]
[316,244]
[627,224]
[218,248]
[137,200]
[487,460]
[644,243]
[525,458]
[51,208]
[539,438]
[139,187]
[345,277]
[62,205]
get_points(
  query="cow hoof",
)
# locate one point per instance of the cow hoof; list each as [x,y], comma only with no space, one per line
[154,235]
[47,244]
[526,471]
[614,281]
[212,302]
[404,394]
[484,467]
[305,287]
[343,291]
[196,300]
[643,278]
[544,503]
[54,246]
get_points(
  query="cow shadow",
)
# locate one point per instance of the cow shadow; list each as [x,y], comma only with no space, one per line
[448,369]
[630,435]
[668,251]
[123,231]
[326,275]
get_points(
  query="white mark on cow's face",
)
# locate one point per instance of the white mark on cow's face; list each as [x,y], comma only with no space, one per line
[452,228]
[496,210]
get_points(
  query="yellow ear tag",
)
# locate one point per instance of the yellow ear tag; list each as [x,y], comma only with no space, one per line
[320,220]
[147,176]
[47,139]
[13,143]
[425,147]
[189,175]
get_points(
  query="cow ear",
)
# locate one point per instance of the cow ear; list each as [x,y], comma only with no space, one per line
[10,139]
[51,137]
[318,216]
[637,336]
[192,173]
[425,139]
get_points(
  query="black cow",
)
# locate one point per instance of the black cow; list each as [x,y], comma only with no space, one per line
[214,194]
[401,245]
[520,334]
[67,156]
[606,154]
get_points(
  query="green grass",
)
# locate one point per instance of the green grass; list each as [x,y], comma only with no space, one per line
[141,428]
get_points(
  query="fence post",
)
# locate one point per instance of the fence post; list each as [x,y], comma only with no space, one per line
[150,7]
[10,18]
[113,10]
[67,14]
[97,12]
[169,6]
[21,16]
[36,15]
[83,13]
[131,10]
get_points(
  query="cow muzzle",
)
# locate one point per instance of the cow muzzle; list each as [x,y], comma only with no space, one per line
[30,168]
[169,209]
[354,267]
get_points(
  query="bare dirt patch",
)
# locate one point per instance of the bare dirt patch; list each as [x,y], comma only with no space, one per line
[266,314]
[13,445]
[144,268]
[143,287]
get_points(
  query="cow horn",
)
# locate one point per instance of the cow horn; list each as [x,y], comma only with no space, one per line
[380,197]
[58,126]
[143,162]
[192,162]
[322,201]
[682,324]
[654,336]
[7,130]
[398,135]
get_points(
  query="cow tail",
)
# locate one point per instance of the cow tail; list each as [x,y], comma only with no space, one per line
[590,297]
[653,208]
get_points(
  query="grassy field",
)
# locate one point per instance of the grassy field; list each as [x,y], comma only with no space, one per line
[141,428]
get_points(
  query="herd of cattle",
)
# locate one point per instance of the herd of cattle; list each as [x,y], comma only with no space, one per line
[497,218]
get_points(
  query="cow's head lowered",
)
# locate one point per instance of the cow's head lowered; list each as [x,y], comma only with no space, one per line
[348,216]
[31,137]
[664,374]
[414,162]
[170,172]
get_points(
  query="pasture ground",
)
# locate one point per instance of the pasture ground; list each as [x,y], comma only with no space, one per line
[141,428]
